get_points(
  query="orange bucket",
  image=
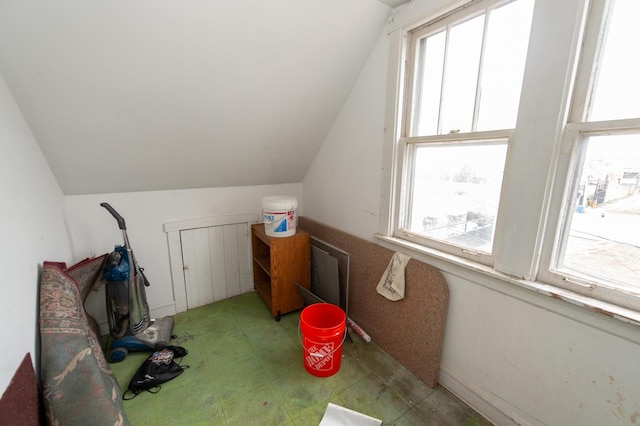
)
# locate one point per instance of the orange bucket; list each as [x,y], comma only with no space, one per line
[323,328]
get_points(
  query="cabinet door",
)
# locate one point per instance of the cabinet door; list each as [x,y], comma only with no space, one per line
[217,263]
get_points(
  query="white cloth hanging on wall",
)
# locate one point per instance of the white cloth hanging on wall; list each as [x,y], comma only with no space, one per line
[391,284]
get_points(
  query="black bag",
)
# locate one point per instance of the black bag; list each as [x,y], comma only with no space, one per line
[160,367]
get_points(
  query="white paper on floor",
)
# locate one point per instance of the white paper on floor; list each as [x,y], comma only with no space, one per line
[336,415]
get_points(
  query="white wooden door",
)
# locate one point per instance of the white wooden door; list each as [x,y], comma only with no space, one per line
[216,263]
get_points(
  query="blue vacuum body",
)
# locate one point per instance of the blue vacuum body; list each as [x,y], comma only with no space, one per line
[130,324]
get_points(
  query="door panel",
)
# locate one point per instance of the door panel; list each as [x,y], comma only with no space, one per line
[216,263]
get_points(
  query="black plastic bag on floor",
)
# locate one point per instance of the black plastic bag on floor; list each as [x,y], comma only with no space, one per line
[159,368]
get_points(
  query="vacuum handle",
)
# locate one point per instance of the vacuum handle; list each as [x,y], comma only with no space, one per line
[115,214]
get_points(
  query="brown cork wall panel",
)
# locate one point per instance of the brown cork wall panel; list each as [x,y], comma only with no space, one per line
[412,329]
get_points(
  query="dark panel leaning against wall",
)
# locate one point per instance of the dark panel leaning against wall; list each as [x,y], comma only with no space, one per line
[411,329]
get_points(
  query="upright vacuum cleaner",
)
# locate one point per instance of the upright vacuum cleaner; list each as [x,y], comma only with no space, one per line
[130,324]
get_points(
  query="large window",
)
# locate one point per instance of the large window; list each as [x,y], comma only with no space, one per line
[598,244]
[517,145]
[466,72]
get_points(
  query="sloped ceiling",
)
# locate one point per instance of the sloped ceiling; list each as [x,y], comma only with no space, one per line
[137,95]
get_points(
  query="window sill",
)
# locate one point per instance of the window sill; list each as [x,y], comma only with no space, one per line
[592,312]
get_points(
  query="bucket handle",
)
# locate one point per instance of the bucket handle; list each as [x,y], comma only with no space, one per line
[346,332]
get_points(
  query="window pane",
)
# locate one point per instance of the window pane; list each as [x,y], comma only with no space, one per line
[451,93]
[428,84]
[461,75]
[503,65]
[456,190]
[604,235]
[617,86]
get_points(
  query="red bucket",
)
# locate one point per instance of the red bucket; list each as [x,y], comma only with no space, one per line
[323,328]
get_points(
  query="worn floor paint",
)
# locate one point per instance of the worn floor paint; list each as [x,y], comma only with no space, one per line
[246,368]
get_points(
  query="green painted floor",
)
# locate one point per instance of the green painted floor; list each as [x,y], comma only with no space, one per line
[248,369]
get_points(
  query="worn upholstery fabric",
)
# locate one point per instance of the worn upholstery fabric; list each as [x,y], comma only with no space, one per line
[78,385]
[88,276]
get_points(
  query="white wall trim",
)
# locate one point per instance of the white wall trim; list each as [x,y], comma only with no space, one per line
[205,222]
[611,319]
[416,13]
[164,310]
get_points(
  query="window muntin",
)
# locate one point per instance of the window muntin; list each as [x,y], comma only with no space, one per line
[597,248]
[545,164]
[466,72]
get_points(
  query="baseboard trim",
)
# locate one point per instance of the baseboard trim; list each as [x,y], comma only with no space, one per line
[476,399]
[164,310]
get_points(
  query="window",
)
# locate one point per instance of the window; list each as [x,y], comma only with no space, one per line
[466,71]
[516,149]
[597,250]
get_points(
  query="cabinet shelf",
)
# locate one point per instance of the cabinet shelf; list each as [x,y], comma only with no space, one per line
[264,262]
[278,265]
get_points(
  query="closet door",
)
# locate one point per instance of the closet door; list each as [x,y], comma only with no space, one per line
[216,263]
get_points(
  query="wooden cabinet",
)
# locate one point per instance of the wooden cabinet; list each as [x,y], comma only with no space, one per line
[278,264]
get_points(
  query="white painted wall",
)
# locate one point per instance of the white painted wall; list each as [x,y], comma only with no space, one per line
[511,353]
[39,223]
[32,229]
[342,186]
[536,360]
[93,231]
[517,356]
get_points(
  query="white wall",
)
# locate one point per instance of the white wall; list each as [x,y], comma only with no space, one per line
[513,354]
[39,223]
[93,231]
[32,228]
[517,356]
[342,186]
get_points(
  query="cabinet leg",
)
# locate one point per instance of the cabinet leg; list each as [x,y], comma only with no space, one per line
[279,316]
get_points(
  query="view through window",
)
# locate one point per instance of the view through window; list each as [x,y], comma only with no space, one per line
[492,173]
[457,191]
[467,76]
[603,241]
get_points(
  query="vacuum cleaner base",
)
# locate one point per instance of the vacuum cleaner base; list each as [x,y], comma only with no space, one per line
[156,336]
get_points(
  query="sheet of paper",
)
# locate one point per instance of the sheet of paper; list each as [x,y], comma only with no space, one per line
[335,415]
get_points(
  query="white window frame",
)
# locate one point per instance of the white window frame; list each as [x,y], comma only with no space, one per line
[563,204]
[537,167]
[408,143]
[454,138]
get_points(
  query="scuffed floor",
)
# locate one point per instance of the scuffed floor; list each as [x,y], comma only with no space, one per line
[247,369]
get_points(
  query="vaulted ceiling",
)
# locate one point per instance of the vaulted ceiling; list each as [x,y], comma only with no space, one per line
[144,95]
